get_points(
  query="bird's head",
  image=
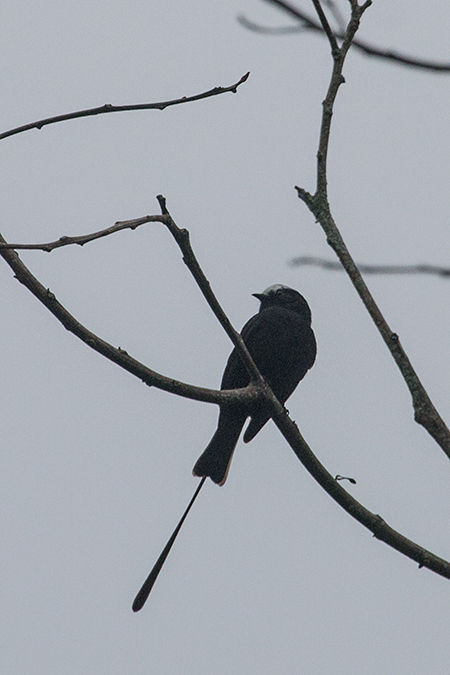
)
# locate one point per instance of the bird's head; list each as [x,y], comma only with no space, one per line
[283,296]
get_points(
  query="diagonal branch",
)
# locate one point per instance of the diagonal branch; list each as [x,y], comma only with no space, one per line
[424,411]
[109,108]
[326,27]
[373,522]
[181,236]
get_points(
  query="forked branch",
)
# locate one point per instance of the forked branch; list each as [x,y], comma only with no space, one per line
[116,354]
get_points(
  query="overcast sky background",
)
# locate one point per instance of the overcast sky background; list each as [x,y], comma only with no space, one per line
[269,575]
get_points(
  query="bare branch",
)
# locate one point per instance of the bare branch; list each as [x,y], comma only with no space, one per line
[118,355]
[308,23]
[109,108]
[371,521]
[424,411]
[372,269]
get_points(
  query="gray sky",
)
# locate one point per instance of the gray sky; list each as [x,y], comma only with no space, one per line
[269,575]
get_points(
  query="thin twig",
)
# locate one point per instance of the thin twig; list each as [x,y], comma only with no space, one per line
[270,30]
[85,238]
[109,108]
[308,23]
[424,411]
[326,26]
[372,269]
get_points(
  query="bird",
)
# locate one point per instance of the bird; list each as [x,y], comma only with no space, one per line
[282,344]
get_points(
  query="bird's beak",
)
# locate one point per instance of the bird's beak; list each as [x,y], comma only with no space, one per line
[260,296]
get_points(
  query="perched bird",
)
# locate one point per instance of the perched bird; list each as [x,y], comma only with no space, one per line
[282,344]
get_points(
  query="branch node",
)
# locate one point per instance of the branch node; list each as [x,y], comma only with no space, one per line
[425,561]
[378,526]
[305,196]
[244,78]
[162,204]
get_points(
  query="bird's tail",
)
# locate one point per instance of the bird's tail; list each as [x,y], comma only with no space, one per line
[216,459]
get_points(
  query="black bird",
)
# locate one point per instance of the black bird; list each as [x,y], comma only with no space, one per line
[282,343]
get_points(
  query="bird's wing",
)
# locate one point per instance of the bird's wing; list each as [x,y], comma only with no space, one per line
[236,374]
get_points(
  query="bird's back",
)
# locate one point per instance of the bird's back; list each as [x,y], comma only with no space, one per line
[283,347]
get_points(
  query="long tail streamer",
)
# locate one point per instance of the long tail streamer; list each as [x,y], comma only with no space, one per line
[147,586]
